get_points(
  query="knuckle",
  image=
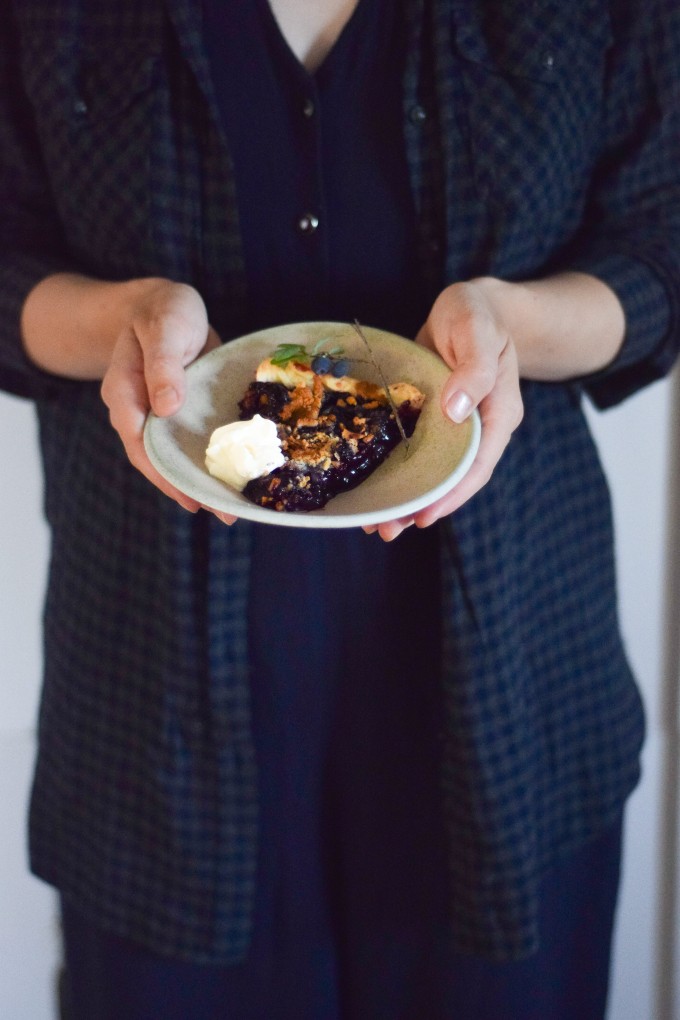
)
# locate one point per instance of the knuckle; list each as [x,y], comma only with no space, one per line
[485,374]
[160,361]
[463,318]
[153,326]
[176,307]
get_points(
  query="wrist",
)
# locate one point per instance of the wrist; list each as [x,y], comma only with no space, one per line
[70,323]
[563,326]
[513,307]
[512,304]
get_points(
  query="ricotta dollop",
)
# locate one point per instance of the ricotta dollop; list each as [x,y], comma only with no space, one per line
[244,450]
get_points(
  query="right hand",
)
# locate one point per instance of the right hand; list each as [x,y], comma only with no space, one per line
[166,328]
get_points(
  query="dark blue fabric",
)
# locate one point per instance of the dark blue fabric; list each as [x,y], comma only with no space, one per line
[344,630]
[347,703]
[330,143]
[386,979]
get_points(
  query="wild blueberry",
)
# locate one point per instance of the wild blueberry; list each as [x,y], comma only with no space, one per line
[321,364]
[341,367]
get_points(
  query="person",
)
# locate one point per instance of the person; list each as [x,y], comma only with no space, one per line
[287,773]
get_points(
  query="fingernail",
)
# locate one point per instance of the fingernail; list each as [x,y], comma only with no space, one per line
[458,406]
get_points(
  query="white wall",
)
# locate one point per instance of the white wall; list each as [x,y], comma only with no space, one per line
[29,948]
[635,443]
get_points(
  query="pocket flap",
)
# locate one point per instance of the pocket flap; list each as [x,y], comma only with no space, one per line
[92,87]
[541,40]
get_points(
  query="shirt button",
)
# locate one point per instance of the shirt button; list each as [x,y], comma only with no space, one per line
[308,223]
[418,114]
[308,108]
[80,107]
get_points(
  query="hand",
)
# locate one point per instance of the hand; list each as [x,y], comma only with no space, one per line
[166,328]
[466,328]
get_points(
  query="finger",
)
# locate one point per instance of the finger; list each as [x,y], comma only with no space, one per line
[500,415]
[213,340]
[124,389]
[224,518]
[425,338]
[464,332]
[124,393]
[389,530]
[165,361]
[457,401]
[474,480]
[171,334]
[473,378]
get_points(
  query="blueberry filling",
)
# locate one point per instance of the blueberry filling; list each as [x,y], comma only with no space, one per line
[350,438]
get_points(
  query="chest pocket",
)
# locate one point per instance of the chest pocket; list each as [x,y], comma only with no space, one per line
[95,119]
[533,75]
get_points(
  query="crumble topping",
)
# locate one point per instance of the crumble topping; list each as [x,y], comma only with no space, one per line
[334,430]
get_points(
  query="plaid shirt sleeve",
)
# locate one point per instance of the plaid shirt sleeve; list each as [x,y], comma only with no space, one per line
[631,237]
[28,223]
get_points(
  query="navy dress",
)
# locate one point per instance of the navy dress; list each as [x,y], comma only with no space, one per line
[344,629]
[352,910]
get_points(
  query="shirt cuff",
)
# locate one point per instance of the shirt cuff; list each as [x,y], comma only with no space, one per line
[649,345]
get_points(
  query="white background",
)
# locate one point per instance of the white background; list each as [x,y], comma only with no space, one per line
[639,451]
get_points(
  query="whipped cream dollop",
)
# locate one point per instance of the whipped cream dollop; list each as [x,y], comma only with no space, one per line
[244,450]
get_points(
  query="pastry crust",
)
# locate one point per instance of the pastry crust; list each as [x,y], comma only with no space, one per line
[296,373]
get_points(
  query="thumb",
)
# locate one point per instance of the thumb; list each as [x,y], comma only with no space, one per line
[469,381]
[169,343]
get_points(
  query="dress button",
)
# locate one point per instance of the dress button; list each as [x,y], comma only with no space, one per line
[308,223]
[308,108]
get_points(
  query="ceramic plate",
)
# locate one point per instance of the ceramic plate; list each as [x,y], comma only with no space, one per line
[439,453]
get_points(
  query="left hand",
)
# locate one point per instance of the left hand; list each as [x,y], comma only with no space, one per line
[466,328]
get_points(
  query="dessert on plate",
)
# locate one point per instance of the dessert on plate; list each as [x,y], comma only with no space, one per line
[309,430]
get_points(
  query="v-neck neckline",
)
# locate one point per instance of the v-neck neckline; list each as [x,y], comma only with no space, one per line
[347,30]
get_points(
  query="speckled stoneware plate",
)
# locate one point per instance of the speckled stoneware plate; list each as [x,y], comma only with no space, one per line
[439,453]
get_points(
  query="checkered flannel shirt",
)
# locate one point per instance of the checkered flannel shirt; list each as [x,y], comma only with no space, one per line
[540,137]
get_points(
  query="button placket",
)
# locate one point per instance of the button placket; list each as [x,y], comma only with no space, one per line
[308,223]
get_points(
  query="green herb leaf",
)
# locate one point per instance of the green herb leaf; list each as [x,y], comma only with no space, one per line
[285,353]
